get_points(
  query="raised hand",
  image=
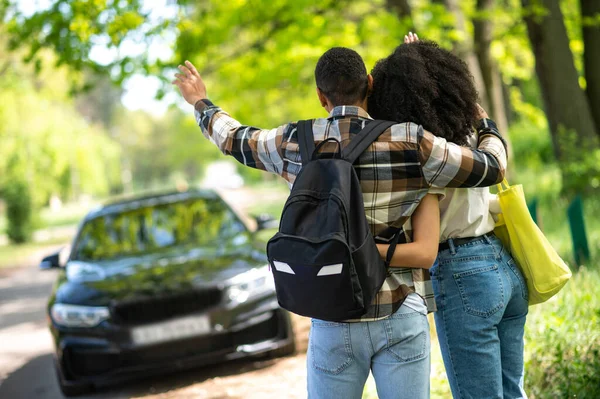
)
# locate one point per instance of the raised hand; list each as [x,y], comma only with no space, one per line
[482,114]
[190,83]
[411,38]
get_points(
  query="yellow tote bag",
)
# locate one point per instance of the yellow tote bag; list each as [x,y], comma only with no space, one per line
[544,270]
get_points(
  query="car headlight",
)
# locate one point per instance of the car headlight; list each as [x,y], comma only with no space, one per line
[78,316]
[249,285]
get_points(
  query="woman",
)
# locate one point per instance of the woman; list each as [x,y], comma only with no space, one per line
[480,294]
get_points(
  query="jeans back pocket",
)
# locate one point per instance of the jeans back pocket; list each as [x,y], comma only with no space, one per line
[481,290]
[330,346]
[408,336]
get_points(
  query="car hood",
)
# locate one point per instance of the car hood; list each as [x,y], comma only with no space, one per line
[100,283]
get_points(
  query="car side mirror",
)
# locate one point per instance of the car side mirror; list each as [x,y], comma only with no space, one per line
[51,261]
[265,221]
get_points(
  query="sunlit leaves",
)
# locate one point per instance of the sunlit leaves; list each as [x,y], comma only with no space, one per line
[121,25]
[72,28]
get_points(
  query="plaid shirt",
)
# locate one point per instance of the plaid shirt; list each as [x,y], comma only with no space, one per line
[396,172]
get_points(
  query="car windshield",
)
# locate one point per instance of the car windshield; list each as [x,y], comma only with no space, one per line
[197,222]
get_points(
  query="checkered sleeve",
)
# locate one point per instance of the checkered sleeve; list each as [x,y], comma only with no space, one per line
[251,146]
[449,165]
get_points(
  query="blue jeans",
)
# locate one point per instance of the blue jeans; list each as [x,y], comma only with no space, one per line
[482,305]
[396,350]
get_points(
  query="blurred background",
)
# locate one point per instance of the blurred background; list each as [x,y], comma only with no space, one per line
[87,112]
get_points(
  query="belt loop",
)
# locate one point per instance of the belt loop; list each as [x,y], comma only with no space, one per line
[451,246]
[487,239]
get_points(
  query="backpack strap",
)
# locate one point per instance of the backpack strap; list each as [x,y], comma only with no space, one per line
[306,140]
[364,139]
[393,242]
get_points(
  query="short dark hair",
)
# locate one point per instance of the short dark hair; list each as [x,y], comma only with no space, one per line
[422,83]
[341,76]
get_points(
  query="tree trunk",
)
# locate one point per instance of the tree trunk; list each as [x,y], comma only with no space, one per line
[565,103]
[510,111]
[403,10]
[590,12]
[464,50]
[482,32]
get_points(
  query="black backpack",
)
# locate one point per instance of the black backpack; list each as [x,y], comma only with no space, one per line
[324,258]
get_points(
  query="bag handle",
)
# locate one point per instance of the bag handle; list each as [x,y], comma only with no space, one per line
[364,139]
[306,140]
[336,154]
[500,186]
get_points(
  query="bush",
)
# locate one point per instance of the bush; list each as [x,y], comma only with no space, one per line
[562,342]
[19,211]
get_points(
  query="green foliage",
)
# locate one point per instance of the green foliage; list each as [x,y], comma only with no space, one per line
[562,342]
[163,150]
[580,163]
[532,147]
[534,163]
[19,211]
[44,138]
[73,27]
[12,256]
[261,55]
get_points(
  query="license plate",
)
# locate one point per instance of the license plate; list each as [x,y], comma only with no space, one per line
[185,327]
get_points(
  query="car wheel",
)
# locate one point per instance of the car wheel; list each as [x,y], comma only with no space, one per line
[70,389]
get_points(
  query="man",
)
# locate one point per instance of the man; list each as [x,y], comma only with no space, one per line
[392,338]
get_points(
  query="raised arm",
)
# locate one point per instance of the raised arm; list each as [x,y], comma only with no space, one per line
[422,251]
[251,146]
[449,165]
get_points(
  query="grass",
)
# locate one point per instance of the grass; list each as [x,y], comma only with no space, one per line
[562,345]
[21,255]
[24,254]
[273,197]
[12,256]
[68,215]
[562,341]
[552,213]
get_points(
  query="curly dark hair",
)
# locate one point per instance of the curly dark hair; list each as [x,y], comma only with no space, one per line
[422,83]
[341,75]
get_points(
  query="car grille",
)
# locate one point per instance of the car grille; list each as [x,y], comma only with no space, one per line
[150,309]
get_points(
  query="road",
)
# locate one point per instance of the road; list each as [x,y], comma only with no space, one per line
[27,371]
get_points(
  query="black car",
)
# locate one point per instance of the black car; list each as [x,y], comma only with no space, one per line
[160,283]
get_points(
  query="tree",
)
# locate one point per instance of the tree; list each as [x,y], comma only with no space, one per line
[44,142]
[483,36]
[566,105]
[403,10]
[261,54]
[464,48]
[590,12]
[72,28]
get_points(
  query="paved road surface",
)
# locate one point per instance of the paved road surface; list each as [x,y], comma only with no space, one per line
[27,371]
